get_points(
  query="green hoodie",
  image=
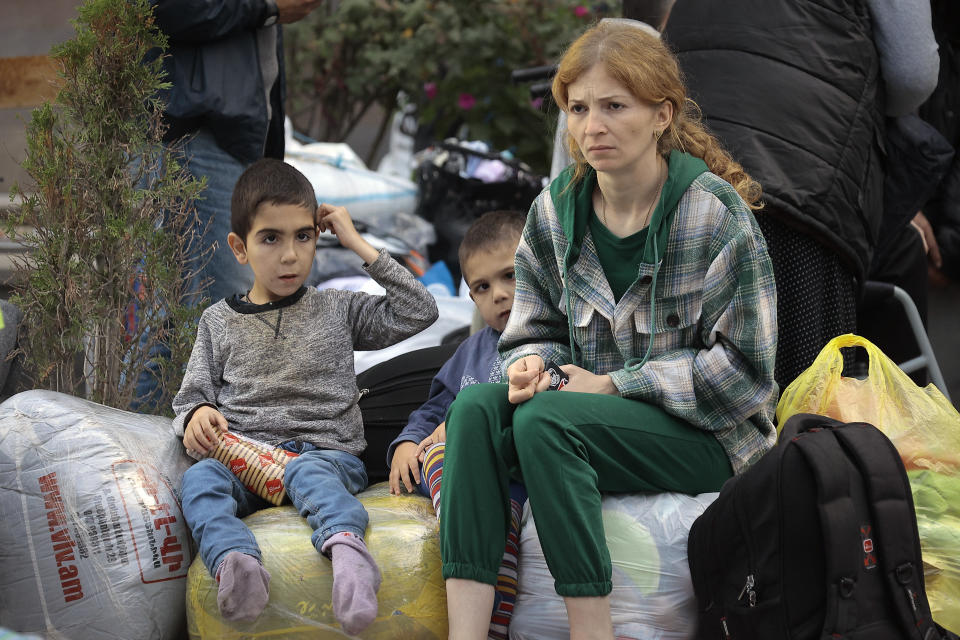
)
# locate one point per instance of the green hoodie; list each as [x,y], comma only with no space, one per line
[574,206]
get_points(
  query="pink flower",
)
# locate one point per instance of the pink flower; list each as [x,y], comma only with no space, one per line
[537,102]
[430,88]
[580,11]
[466,101]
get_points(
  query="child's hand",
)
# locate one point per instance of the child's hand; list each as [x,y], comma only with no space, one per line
[439,435]
[337,220]
[404,468]
[526,377]
[200,434]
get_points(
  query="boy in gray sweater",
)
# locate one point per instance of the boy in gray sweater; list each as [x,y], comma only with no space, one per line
[276,364]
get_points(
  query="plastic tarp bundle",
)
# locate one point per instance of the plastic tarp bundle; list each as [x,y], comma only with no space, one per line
[402,537]
[652,597]
[93,543]
[339,177]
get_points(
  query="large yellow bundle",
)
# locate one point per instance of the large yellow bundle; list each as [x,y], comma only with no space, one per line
[402,537]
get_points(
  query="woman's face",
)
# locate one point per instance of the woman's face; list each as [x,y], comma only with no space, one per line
[613,128]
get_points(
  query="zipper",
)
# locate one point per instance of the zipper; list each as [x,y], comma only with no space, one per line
[749,591]
[749,588]
[387,387]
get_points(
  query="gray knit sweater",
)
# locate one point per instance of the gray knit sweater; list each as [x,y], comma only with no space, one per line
[284,370]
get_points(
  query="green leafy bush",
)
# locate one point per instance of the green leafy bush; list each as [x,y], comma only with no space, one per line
[107,218]
[452,59]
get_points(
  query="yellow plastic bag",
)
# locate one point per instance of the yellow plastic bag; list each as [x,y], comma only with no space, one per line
[921,423]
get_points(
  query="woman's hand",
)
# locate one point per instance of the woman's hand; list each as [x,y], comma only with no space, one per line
[200,434]
[526,377]
[585,382]
[439,435]
[404,468]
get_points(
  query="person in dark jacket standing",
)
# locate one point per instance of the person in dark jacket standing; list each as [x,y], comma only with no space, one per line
[940,222]
[224,111]
[225,67]
[797,91]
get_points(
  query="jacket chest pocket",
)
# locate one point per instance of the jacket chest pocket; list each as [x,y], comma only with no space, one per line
[674,323]
[585,319]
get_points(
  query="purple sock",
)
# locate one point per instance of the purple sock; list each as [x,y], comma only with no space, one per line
[356,579]
[244,587]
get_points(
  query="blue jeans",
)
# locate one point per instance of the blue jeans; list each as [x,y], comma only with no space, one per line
[321,484]
[223,275]
[204,158]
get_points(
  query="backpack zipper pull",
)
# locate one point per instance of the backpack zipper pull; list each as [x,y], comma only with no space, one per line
[749,591]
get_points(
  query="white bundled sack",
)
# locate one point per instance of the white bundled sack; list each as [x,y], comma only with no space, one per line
[339,177]
[652,597]
[93,543]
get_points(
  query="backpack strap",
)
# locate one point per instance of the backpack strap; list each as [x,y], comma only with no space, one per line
[898,541]
[841,533]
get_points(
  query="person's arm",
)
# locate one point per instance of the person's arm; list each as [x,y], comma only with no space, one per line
[537,325]
[198,21]
[731,377]
[947,225]
[406,309]
[380,321]
[909,62]
[201,381]
[403,453]
[425,418]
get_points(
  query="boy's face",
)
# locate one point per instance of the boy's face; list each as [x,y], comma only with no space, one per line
[280,248]
[489,274]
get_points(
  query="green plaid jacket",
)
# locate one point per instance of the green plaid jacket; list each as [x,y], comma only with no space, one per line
[714,324]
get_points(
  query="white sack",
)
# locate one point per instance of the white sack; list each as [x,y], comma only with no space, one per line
[93,544]
[340,178]
[652,596]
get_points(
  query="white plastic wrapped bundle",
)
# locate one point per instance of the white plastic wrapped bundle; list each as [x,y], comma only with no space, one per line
[339,177]
[93,543]
[652,596]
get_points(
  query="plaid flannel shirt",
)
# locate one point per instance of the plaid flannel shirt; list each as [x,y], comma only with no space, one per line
[714,323]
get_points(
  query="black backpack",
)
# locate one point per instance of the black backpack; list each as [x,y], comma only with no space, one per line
[817,540]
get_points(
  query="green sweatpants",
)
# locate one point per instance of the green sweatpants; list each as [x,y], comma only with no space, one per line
[566,448]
